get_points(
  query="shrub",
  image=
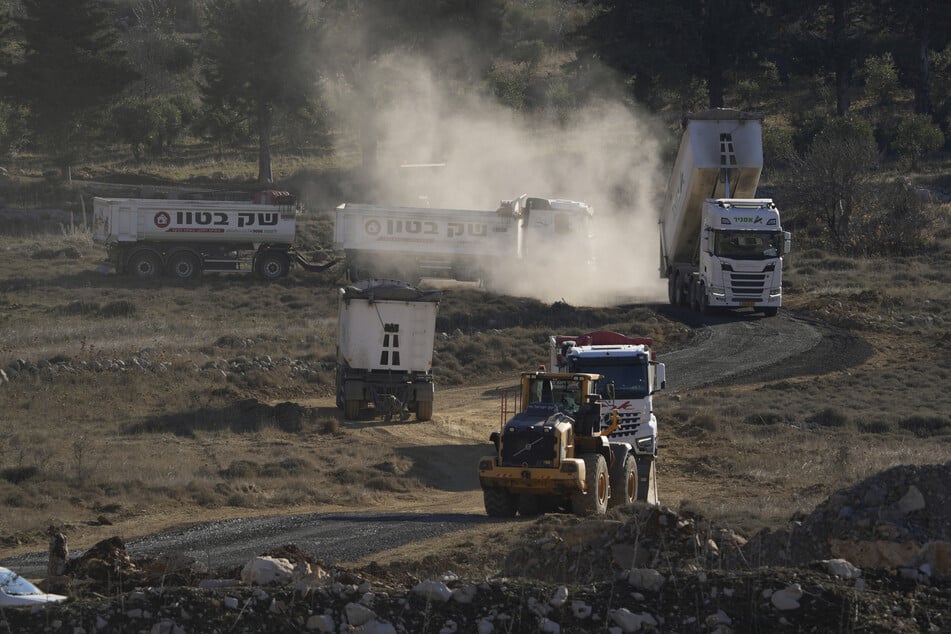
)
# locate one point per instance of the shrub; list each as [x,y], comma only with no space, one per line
[828,417]
[916,136]
[778,147]
[881,79]
[873,427]
[763,418]
[925,426]
[16,475]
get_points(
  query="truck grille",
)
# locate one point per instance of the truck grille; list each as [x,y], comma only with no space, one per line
[626,428]
[747,285]
[528,450]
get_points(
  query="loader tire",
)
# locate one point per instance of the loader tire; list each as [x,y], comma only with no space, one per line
[647,480]
[499,503]
[351,409]
[597,483]
[623,482]
[424,410]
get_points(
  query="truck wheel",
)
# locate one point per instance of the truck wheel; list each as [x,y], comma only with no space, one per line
[184,266]
[647,480]
[623,482]
[424,410]
[770,311]
[694,295]
[499,503]
[351,409]
[672,289]
[145,265]
[703,302]
[595,501]
[273,265]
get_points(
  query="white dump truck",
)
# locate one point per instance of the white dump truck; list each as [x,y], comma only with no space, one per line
[720,247]
[181,238]
[385,334]
[630,375]
[410,243]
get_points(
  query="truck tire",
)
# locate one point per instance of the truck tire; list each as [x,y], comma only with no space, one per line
[647,480]
[424,410]
[499,503]
[351,409]
[672,289]
[597,483]
[145,265]
[770,311]
[184,266]
[273,265]
[623,482]
[703,302]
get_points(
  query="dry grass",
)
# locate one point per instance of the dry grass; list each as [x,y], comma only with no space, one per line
[137,443]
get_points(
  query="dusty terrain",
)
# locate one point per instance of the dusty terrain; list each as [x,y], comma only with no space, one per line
[130,409]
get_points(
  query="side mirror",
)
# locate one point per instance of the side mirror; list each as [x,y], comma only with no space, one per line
[660,377]
[787,242]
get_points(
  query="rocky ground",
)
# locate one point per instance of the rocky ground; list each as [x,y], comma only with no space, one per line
[875,557]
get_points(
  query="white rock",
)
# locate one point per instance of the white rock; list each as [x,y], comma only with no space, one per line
[265,570]
[580,609]
[433,591]
[549,626]
[358,615]
[646,579]
[485,627]
[842,568]
[630,622]
[449,627]
[787,598]
[720,618]
[378,627]
[321,623]
[465,594]
[913,500]
[232,603]
[559,598]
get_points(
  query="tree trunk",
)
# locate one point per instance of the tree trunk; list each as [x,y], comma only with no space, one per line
[923,80]
[265,177]
[840,55]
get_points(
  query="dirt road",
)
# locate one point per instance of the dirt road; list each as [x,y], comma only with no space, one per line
[726,348]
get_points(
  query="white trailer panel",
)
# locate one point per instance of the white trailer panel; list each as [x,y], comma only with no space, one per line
[387,325]
[709,137]
[129,220]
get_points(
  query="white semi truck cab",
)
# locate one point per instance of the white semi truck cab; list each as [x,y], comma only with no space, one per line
[629,365]
[721,247]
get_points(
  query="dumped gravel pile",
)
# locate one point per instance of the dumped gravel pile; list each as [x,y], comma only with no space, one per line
[642,569]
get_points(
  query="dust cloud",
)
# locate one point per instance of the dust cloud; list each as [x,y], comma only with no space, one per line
[442,147]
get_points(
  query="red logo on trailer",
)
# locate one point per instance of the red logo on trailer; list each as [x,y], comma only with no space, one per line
[162,220]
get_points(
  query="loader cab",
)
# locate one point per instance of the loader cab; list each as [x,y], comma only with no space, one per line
[565,393]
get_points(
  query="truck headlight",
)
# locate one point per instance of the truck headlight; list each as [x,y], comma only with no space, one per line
[717,292]
[645,445]
[776,292]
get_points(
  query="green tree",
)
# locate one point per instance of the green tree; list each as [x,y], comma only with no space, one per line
[260,61]
[916,135]
[917,28]
[70,69]
[832,178]
[672,44]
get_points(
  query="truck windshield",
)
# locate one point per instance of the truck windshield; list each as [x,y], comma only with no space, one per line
[628,376]
[748,245]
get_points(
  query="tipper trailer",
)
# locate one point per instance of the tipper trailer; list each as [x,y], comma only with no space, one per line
[385,335]
[720,247]
[148,237]
[410,243]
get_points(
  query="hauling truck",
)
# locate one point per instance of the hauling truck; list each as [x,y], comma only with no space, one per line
[147,237]
[554,453]
[385,334]
[630,376]
[719,246]
[410,243]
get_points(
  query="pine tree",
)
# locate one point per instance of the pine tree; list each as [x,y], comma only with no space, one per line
[70,69]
